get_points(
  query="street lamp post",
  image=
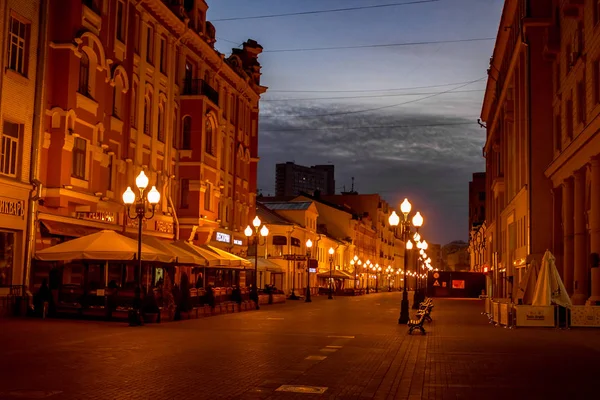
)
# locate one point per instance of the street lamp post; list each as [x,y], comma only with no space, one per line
[331,251]
[367,267]
[308,246]
[417,221]
[141,202]
[264,232]
[354,263]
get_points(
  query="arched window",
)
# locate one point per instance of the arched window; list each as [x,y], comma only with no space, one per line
[223,154]
[161,122]
[84,74]
[134,105]
[174,132]
[118,97]
[209,137]
[147,114]
[186,133]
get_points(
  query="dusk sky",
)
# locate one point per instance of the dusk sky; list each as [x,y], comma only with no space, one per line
[351,108]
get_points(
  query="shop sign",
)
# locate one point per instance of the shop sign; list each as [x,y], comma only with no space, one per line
[223,237]
[102,216]
[238,242]
[12,207]
[312,270]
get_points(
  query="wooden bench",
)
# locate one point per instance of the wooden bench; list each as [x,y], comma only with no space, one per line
[416,324]
[426,312]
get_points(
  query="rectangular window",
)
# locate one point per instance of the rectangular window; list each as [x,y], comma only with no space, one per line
[557,133]
[207,196]
[136,35]
[7,256]
[121,21]
[569,119]
[79,158]
[150,45]
[17,45]
[163,55]
[110,172]
[11,139]
[581,102]
[596,81]
[184,193]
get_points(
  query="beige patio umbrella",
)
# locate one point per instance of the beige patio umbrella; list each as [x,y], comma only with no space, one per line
[104,245]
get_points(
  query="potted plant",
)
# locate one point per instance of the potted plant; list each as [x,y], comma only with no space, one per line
[185,305]
[150,308]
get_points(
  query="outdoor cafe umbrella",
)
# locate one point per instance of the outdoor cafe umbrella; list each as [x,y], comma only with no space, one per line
[549,288]
[527,284]
[104,245]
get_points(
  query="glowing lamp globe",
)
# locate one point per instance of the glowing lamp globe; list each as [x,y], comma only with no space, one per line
[331,251]
[153,196]
[409,245]
[394,219]
[248,231]
[309,243]
[128,196]
[405,207]
[417,220]
[141,181]
[256,222]
[264,231]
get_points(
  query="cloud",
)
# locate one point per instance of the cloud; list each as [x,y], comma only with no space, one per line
[424,153]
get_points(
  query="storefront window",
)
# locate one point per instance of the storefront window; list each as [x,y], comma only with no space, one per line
[7,245]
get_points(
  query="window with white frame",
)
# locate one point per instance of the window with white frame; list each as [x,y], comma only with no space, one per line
[79,158]
[150,45]
[147,114]
[121,20]
[84,74]
[161,121]
[163,55]
[18,32]
[110,171]
[11,139]
[207,196]
[118,97]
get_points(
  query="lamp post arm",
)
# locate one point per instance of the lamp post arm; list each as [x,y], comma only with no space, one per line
[152,210]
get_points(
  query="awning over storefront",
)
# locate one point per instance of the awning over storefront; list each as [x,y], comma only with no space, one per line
[234,261]
[181,256]
[105,245]
[336,274]
[211,260]
[66,229]
[267,265]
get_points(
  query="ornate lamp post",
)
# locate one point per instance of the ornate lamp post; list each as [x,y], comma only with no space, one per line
[417,221]
[145,205]
[264,232]
[377,270]
[331,251]
[309,244]
[367,266]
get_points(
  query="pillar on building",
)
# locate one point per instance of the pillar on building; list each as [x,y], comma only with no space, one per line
[568,219]
[580,289]
[595,225]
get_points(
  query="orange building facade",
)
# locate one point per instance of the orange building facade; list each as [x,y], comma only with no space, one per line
[134,86]
[557,71]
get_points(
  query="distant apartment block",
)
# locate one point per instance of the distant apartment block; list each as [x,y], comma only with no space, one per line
[292,179]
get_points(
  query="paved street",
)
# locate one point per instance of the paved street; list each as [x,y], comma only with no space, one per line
[351,346]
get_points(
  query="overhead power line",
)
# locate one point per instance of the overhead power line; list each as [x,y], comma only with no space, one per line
[366,90]
[364,46]
[371,109]
[334,10]
[367,127]
[373,96]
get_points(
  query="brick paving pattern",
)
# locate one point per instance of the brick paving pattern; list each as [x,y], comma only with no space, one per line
[250,355]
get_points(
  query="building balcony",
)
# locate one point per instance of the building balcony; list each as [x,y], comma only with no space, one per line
[199,87]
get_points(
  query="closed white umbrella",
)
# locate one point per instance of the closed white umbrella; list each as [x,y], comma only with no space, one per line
[549,288]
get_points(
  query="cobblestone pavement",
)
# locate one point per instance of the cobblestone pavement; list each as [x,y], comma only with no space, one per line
[352,346]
